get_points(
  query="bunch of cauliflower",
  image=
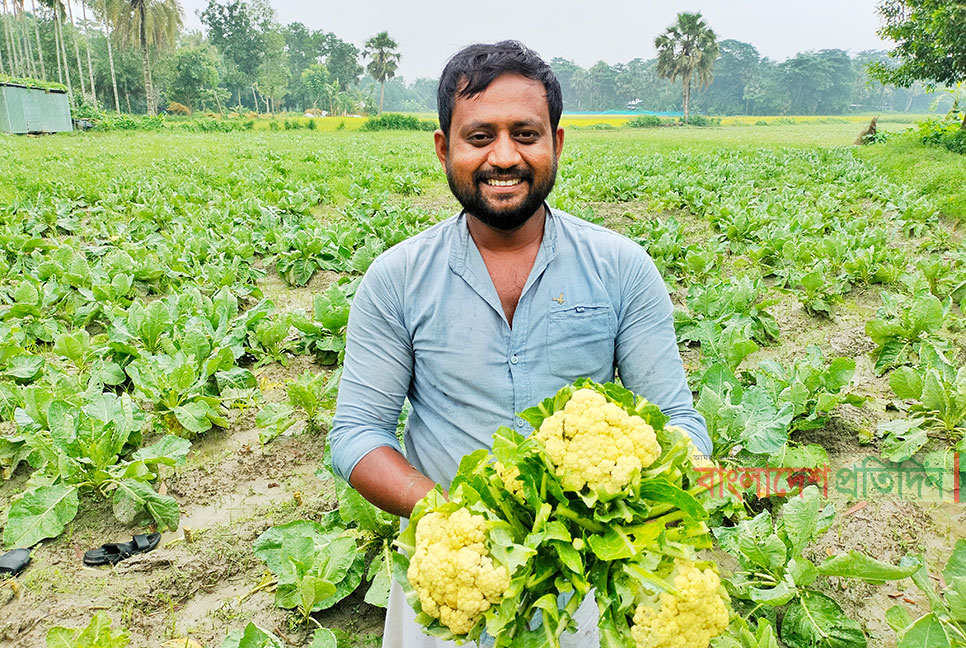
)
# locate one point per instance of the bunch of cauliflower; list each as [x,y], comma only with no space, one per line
[686,621]
[595,443]
[452,571]
[602,495]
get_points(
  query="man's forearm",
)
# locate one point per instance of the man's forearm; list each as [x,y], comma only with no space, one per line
[386,479]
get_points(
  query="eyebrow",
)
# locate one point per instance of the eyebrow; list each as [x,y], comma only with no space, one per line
[523,123]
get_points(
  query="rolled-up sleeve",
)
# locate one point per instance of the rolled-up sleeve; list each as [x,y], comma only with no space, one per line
[648,360]
[376,373]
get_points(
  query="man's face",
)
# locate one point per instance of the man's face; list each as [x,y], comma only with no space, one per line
[501,154]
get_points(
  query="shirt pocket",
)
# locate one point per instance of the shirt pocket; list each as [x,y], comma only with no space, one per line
[580,341]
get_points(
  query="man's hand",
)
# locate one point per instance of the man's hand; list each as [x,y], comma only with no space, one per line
[386,479]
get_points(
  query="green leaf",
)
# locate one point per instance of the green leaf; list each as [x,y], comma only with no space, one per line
[380,575]
[324,638]
[956,598]
[774,596]
[816,621]
[612,545]
[856,564]
[41,513]
[905,438]
[133,497]
[926,314]
[898,618]
[956,565]
[353,508]
[24,368]
[273,419]
[801,519]
[97,634]
[193,416]
[802,571]
[925,632]
[891,354]
[766,427]
[906,383]
[663,491]
[252,637]
[170,450]
[268,546]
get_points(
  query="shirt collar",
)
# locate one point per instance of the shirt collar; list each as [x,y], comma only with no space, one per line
[546,253]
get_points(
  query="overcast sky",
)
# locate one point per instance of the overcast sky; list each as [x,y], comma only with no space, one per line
[615,31]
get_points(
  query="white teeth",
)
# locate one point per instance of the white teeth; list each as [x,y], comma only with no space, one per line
[503,183]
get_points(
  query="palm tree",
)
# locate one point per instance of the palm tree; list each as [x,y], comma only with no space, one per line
[686,48]
[148,23]
[80,68]
[87,42]
[385,59]
[40,49]
[102,9]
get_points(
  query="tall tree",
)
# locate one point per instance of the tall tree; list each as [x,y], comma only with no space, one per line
[342,61]
[930,37]
[383,61]
[40,50]
[148,24]
[315,79]
[687,49]
[195,74]
[73,34]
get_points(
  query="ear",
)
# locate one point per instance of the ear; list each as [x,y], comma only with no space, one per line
[559,140]
[442,146]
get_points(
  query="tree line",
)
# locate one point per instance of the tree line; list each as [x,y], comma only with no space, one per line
[136,56]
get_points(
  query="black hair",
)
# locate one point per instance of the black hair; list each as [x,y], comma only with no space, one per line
[471,70]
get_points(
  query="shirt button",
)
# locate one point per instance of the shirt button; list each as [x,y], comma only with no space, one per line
[514,359]
[519,423]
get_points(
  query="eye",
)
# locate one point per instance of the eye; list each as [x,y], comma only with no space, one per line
[527,136]
[479,139]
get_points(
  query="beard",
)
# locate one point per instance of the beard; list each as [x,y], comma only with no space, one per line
[503,218]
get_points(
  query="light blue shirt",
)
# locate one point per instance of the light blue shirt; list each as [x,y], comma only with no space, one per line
[426,323]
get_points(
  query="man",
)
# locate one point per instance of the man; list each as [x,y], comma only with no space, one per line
[495,309]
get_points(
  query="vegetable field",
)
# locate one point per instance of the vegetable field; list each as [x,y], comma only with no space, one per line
[172,320]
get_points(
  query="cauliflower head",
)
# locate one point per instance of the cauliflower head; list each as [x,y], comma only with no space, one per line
[452,571]
[510,476]
[595,443]
[688,621]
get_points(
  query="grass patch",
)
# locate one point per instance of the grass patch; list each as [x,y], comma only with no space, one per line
[929,170]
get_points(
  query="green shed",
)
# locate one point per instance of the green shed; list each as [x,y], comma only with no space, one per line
[32,110]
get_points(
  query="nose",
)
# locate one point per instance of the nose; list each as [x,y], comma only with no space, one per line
[503,152]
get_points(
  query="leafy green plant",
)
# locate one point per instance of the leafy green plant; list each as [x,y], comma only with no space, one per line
[760,413]
[735,301]
[902,328]
[945,623]
[316,564]
[324,335]
[180,388]
[935,398]
[773,573]
[252,636]
[97,634]
[79,450]
[270,341]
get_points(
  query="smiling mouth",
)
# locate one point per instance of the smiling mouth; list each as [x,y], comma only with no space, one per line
[493,182]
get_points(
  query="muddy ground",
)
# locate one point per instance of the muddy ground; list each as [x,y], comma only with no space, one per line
[204,581]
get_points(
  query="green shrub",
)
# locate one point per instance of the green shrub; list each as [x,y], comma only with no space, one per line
[949,134]
[111,122]
[645,121]
[395,121]
[701,120]
[312,125]
[32,83]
